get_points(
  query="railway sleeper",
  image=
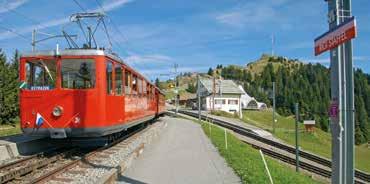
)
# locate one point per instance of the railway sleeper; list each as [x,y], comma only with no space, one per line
[19,172]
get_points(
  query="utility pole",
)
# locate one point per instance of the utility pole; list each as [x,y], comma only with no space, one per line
[213,93]
[33,40]
[341,76]
[296,138]
[272,44]
[198,93]
[274,106]
[176,89]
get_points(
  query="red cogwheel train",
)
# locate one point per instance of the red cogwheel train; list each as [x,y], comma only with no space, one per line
[83,93]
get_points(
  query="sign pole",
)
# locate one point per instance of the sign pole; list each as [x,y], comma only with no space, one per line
[199,100]
[335,70]
[273,106]
[349,104]
[342,29]
[296,138]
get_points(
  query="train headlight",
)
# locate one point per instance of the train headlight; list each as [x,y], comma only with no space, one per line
[57,111]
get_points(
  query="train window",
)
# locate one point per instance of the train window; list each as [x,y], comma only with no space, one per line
[144,87]
[150,91]
[109,75]
[127,82]
[118,79]
[78,73]
[153,92]
[41,74]
[134,85]
[140,86]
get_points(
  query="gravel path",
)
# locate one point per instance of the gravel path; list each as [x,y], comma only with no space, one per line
[182,154]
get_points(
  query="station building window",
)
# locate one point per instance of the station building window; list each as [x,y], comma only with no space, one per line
[118,79]
[233,102]
[109,75]
[41,74]
[78,73]
[220,101]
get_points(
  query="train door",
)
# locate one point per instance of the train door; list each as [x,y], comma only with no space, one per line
[129,96]
[114,90]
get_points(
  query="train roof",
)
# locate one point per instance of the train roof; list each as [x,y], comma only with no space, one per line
[84,52]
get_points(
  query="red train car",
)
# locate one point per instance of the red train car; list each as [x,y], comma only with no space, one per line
[83,93]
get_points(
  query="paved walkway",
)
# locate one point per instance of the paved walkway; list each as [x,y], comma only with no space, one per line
[182,154]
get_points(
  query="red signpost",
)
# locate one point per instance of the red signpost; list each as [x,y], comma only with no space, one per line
[334,109]
[333,38]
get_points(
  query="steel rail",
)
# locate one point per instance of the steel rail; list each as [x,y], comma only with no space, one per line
[27,165]
[292,161]
[50,175]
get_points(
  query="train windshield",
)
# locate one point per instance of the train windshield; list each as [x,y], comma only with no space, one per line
[41,74]
[78,73]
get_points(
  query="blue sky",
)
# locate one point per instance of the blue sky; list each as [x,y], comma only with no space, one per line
[195,34]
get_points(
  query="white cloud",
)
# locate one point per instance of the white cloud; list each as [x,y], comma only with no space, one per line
[56,22]
[111,5]
[231,18]
[251,14]
[156,72]
[8,5]
[248,17]
[361,58]
[300,45]
[158,58]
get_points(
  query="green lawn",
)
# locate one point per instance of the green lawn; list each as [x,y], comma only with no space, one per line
[247,162]
[224,114]
[9,130]
[318,142]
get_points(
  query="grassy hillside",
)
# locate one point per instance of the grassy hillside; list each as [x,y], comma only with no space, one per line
[305,84]
[257,67]
[318,142]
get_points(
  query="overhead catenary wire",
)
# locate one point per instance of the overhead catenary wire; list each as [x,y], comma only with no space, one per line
[22,15]
[14,32]
[79,5]
[105,27]
[32,20]
[123,37]
[28,18]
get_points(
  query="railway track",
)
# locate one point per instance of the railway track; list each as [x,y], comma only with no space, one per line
[360,176]
[53,175]
[14,171]
[44,167]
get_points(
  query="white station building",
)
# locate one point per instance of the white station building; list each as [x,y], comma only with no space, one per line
[222,95]
[250,103]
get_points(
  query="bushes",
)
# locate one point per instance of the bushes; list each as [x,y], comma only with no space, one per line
[9,108]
